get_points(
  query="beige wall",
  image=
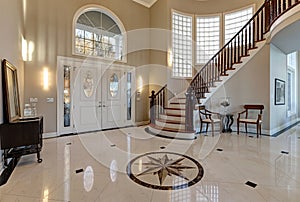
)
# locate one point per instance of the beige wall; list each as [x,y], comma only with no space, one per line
[49,26]
[250,85]
[161,18]
[11,24]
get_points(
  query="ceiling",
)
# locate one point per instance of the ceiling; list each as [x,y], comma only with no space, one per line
[149,3]
[288,39]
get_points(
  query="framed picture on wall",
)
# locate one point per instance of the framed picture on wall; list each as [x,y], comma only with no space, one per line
[279,92]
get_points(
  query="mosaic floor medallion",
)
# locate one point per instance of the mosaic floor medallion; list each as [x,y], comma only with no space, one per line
[165,170]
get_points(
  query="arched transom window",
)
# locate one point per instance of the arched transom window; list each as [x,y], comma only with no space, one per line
[98,32]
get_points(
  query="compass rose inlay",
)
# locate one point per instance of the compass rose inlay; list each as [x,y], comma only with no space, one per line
[165,170]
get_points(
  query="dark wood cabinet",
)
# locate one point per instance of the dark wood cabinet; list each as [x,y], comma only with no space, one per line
[22,137]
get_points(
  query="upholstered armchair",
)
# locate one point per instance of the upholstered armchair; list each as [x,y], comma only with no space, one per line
[208,117]
[244,117]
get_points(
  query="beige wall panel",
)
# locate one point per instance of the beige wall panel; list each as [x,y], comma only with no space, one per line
[49,25]
[11,24]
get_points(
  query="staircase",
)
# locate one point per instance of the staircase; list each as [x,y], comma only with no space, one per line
[174,118]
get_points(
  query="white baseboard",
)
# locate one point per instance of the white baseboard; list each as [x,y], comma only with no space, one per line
[283,126]
[50,135]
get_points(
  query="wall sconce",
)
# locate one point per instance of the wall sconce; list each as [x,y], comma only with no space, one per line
[140,84]
[27,50]
[46,79]
[170,58]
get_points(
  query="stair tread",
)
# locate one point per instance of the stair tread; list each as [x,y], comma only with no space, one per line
[179,103]
[172,108]
[177,115]
[170,129]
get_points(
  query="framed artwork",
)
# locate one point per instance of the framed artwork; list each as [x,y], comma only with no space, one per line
[10,92]
[279,92]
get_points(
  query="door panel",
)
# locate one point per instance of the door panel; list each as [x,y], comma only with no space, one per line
[86,99]
[112,113]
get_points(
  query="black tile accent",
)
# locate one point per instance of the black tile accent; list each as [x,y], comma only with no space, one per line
[284,152]
[251,184]
[69,143]
[219,149]
[162,147]
[251,136]
[112,145]
[79,170]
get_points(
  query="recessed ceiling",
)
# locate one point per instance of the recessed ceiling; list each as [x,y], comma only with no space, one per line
[147,3]
[287,39]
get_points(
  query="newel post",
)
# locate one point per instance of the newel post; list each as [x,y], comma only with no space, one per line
[152,107]
[189,109]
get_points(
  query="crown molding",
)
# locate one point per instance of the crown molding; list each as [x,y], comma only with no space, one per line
[146,3]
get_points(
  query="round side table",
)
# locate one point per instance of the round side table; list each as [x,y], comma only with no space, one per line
[227,121]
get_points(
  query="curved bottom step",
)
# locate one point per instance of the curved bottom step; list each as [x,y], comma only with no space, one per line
[171,133]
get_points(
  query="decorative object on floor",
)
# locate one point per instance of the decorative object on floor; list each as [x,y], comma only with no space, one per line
[208,117]
[279,92]
[165,170]
[248,120]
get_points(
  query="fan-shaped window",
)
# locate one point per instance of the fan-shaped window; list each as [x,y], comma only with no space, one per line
[98,32]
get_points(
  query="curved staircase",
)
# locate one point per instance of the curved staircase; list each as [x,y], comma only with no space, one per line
[175,118]
[171,121]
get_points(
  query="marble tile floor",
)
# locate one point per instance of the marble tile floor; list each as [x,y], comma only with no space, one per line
[94,166]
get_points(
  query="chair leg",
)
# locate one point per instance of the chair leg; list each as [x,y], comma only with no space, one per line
[206,127]
[200,127]
[257,129]
[238,127]
[212,128]
[246,127]
[260,129]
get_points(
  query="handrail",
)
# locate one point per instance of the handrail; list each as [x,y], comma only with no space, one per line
[157,103]
[236,48]
[163,88]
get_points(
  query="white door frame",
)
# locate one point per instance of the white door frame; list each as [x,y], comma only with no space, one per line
[76,63]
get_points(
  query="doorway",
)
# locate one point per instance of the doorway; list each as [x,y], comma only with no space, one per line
[93,95]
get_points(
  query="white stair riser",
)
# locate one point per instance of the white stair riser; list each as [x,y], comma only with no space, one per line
[170,125]
[177,106]
[175,112]
[172,118]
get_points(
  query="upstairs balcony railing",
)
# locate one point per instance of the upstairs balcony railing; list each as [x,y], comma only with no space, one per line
[233,51]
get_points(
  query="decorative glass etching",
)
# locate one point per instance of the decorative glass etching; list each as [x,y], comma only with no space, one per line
[67,97]
[88,84]
[114,85]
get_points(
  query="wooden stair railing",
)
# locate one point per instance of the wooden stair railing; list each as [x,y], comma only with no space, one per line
[157,103]
[232,52]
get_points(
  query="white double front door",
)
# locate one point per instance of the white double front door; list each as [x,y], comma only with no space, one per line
[100,97]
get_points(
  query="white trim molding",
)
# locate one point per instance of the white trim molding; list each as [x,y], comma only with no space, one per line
[146,3]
